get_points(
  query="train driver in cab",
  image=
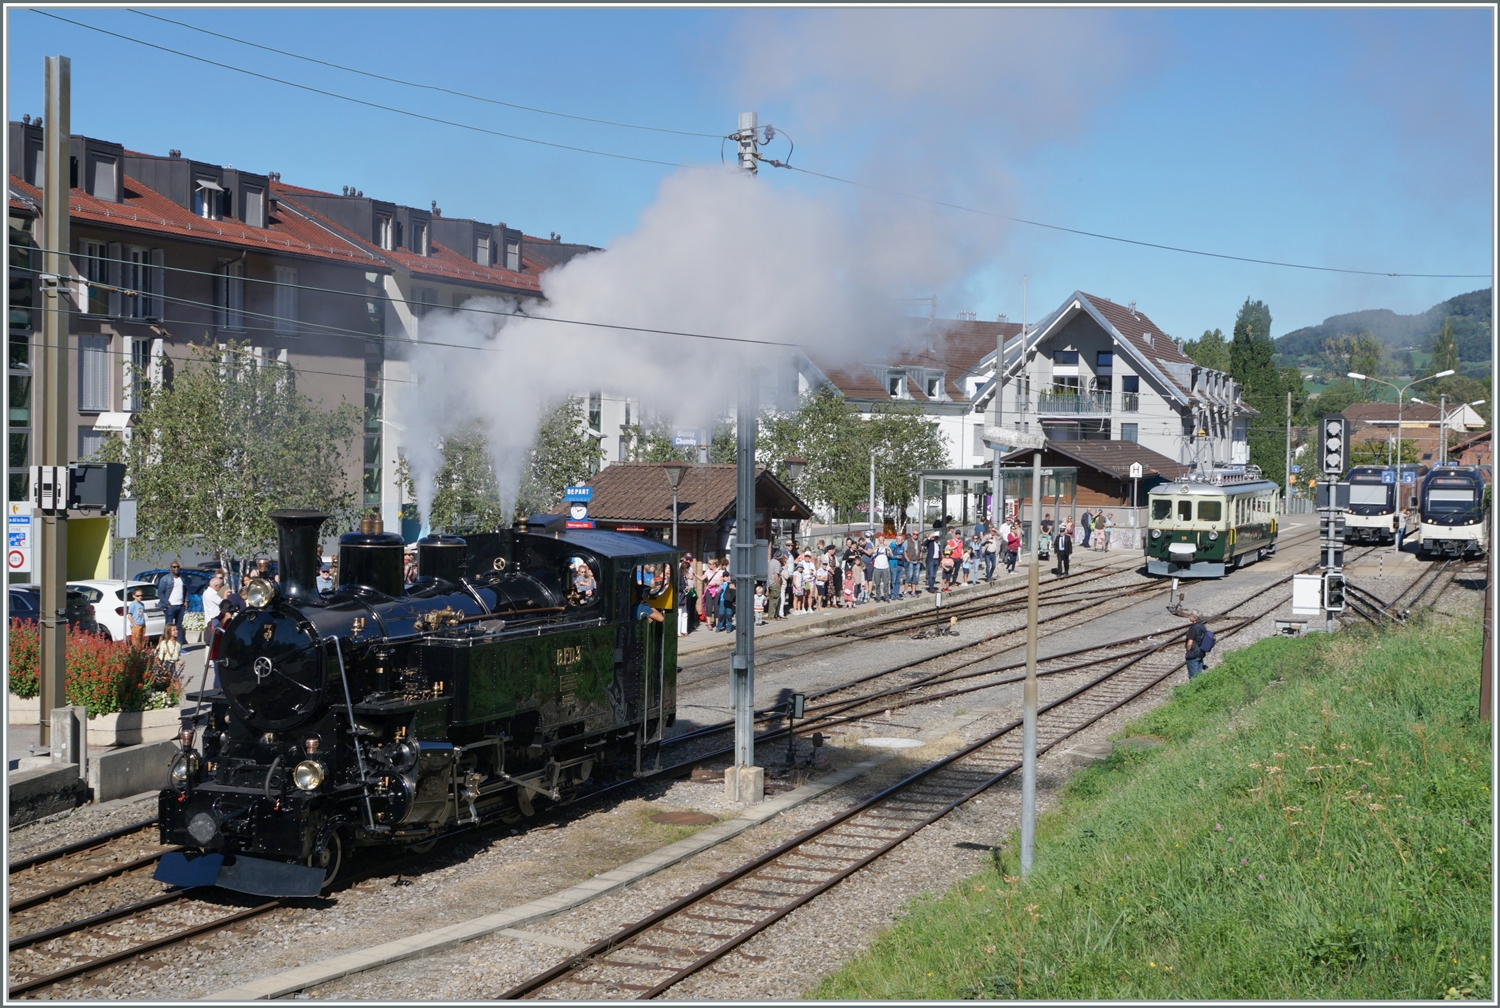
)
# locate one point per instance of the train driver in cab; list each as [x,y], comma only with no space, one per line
[645,578]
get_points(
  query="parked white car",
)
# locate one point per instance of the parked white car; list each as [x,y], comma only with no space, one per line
[109,598]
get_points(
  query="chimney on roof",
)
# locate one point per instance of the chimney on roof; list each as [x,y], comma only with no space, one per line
[174,153]
[346,190]
[37,122]
[26,119]
[1132,308]
[435,211]
[360,193]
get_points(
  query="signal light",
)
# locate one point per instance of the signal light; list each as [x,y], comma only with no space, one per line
[1333,440]
[1333,592]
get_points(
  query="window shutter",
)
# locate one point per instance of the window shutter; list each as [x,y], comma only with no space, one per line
[116,278]
[158,353]
[93,374]
[157,305]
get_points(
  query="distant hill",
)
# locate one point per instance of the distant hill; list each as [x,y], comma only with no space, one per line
[1471,326]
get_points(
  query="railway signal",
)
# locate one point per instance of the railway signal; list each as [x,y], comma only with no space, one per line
[1333,591]
[1333,442]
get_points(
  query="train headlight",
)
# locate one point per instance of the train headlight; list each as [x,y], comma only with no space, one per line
[184,766]
[259,592]
[1156,533]
[308,775]
[1212,536]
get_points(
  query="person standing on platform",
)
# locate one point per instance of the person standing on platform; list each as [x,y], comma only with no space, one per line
[932,555]
[1063,547]
[171,592]
[1109,527]
[1012,548]
[991,554]
[881,563]
[135,615]
[1087,522]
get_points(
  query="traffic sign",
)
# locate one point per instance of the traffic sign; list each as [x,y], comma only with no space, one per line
[1137,470]
[19,537]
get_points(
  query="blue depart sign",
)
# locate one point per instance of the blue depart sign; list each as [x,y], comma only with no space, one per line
[1389,476]
[578,493]
[1408,477]
[684,439]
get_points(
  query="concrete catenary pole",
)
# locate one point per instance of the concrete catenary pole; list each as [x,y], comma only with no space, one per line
[53,385]
[1286,476]
[872,491]
[1028,694]
[745,781]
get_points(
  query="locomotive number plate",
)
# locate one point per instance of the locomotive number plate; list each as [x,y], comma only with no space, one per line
[570,655]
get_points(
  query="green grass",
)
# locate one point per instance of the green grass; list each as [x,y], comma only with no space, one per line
[1316,824]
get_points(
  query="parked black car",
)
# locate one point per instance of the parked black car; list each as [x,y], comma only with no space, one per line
[26,605]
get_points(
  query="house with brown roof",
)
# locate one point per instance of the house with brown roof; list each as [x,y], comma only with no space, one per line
[1104,471]
[637,497]
[1419,423]
[1094,370]
[940,368]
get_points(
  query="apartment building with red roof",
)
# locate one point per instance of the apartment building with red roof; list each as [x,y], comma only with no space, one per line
[334,286]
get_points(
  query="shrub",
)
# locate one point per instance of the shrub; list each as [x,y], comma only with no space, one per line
[104,676]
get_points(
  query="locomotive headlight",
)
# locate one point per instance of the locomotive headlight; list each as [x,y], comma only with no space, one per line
[184,765]
[259,592]
[1212,536]
[1156,533]
[309,774]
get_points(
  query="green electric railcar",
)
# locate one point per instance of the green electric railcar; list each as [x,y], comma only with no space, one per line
[1207,527]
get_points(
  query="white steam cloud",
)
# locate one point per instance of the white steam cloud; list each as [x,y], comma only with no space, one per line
[948,95]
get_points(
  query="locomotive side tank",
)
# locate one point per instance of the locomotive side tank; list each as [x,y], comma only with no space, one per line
[518,668]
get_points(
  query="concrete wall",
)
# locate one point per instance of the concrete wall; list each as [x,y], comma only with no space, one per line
[132,770]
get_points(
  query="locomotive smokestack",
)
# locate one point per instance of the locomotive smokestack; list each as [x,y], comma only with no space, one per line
[298,553]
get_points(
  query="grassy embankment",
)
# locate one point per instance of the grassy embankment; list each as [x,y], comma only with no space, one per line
[1315,825]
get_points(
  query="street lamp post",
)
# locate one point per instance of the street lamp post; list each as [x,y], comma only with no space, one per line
[1400,400]
[674,472]
[794,469]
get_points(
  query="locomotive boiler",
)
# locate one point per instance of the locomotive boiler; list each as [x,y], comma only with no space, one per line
[520,667]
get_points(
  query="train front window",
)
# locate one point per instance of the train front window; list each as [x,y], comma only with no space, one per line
[1210,510]
[1450,501]
[1161,509]
[1376,494]
[1184,510]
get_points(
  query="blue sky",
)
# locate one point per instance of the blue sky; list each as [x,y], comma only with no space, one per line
[1333,137]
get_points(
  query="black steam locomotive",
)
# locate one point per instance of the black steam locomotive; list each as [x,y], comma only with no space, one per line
[518,668]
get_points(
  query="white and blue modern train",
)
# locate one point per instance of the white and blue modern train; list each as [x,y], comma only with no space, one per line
[1455,512]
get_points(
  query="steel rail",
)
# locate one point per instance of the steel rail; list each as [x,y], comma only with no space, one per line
[593,954]
[27,902]
[103,917]
[81,845]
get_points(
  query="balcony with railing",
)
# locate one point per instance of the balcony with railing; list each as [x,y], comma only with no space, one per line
[1072,403]
[1130,402]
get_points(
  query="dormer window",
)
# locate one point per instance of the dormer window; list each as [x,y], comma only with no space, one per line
[253,203]
[934,387]
[895,384]
[513,256]
[400,235]
[482,251]
[207,197]
[105,185]
[419,237]
[384,232]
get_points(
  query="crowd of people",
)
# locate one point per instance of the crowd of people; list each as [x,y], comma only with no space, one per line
[876,568]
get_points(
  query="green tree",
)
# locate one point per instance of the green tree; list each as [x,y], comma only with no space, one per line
[466,493]
[904,441]
[562,454]
[1252,364]
[1209,350]
[1377,451]
[826,431]
[1444,349]
[227,441]
[653,443]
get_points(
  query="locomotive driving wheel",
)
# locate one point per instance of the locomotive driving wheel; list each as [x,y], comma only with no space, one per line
[329,857]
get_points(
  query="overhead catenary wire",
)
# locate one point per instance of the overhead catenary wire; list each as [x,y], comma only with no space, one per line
[365,102]
[775,163]
[427,87]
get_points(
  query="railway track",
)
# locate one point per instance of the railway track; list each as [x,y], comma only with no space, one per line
[181,913]
[649,957]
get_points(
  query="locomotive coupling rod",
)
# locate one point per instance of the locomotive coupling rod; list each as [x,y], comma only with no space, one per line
[359,756]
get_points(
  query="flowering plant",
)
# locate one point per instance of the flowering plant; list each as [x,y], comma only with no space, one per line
[193,621]
[103,677]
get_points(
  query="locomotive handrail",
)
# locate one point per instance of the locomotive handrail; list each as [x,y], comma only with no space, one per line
[359,756]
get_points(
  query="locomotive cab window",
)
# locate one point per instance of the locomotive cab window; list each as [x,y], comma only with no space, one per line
[1185,510]
[1210,510]
[581,581]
